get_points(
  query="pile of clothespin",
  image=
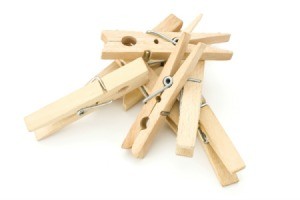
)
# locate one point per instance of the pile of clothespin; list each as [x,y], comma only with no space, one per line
[164,68]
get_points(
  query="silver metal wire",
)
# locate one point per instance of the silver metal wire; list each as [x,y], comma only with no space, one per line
[174,41]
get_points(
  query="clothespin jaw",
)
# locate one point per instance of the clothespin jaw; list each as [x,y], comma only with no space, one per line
[190,97]
[102,89]
[129,45]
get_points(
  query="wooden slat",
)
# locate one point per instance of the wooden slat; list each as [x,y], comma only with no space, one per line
[189,106]
[115,50]
[220,141]
[189,113]
[193,24]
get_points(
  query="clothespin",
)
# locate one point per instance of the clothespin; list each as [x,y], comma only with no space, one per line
[189,106]
[99,91]
[128,45]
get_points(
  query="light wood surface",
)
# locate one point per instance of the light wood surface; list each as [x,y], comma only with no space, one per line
[224,176]
[193,24]
[189,113]
[132,98]
[171,23]
[145,137]
[117,83]
[220,141]
[169,69]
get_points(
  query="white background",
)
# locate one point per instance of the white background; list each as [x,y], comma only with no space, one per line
[50,48]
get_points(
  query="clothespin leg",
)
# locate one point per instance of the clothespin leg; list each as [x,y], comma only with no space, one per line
[220,141]
[190,112]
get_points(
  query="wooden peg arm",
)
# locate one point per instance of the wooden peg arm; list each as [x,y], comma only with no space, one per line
[190,112]
[220,141]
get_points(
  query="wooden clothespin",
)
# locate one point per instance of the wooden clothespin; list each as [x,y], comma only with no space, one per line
[165,91]
[128,45]
[189,106]
[97,92]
